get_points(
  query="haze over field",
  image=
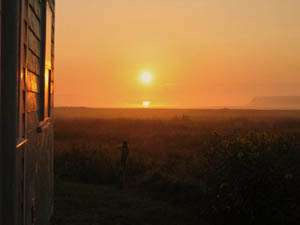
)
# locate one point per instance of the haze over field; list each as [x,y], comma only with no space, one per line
[184,54]
[276,102]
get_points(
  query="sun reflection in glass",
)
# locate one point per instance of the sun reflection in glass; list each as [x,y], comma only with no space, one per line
[146,104]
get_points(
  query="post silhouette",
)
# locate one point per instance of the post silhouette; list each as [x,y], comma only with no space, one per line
[123,163]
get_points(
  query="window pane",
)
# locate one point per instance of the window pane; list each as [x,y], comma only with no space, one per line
[48,61]
[46,94]
[48,41]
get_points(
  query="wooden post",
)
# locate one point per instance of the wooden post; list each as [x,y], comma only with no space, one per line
[10,70]
[1,157]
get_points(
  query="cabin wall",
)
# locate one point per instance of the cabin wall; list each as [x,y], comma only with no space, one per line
[26,156]
[35,131]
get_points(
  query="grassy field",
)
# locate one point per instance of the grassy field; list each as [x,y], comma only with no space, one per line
[185,167]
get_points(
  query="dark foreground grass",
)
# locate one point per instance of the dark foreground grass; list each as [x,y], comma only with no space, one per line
[79,204]
[233,170]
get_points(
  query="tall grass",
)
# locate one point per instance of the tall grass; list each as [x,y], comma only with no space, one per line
[229,171]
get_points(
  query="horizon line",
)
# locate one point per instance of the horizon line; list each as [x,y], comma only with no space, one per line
[192,108]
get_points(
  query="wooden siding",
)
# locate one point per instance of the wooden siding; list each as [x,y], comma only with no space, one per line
[37,157]
[26,188]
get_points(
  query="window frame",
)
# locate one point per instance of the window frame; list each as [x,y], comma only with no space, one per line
[21,80]
[46,63]
[0,95]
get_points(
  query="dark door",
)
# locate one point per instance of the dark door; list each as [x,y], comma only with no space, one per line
[0,115]
[21,133]
[9,69]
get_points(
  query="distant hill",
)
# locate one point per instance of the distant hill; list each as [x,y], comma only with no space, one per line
[276,102]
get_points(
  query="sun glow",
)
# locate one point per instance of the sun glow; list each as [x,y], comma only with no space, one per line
[146,104]
[146,77]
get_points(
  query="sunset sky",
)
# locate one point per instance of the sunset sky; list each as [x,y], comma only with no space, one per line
[175,53]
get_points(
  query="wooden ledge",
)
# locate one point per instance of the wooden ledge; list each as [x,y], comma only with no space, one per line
[22,143]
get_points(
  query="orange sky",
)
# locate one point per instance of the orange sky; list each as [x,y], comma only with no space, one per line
[201,52]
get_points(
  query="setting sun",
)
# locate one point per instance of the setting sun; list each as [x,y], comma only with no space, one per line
[146,77]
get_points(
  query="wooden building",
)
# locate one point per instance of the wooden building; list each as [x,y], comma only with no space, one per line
[26,125]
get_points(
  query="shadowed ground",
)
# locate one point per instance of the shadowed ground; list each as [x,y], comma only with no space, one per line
[80,204]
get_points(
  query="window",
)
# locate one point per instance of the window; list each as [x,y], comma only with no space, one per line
[21,119]
[48,41]
[47,93]
[0,90]
[48,64]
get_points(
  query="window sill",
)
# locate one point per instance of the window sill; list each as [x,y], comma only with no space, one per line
[44,125]
[21,144]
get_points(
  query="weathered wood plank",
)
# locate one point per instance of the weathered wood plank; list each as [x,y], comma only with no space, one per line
[34,23]
[32,82]
[32,102]
[36,6]
[32,122]
[33,63]
[33,43]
